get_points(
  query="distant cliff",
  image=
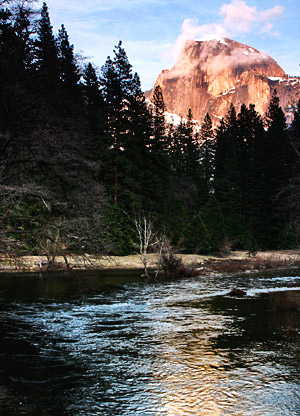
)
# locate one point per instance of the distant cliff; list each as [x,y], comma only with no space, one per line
[210,75]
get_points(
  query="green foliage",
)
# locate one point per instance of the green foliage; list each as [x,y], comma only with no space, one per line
[277,162]
[215,223]
[46,53]
[249,243]
[22,220]
[69,73]
[196,236]
[159,122]
[207,154]
[176,221]
[120,232]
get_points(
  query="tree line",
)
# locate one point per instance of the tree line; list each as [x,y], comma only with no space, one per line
[83,154]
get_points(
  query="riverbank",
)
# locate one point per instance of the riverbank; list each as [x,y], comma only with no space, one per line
[234,262]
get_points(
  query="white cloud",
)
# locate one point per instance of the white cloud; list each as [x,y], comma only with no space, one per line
[267,17]
[191,31]
[237,18]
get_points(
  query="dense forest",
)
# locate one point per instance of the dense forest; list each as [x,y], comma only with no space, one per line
[84,157]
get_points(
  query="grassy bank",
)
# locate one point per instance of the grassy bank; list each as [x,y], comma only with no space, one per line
[234,262]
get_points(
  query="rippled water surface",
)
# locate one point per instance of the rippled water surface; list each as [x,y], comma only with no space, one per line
[95,344]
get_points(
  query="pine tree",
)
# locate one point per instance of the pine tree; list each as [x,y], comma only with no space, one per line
[138,185]
[17,106]
[296,122]
[94,113]
[175,221]
[159,153]
[128,126]
[183,150]
[251,135]
[158,117]
[214,222]
[46,52]
[196,236]
[290,194]
[69,72]
[278,159]
[185,168]
[294,132]
[278,145]
[227,174]
[207,152]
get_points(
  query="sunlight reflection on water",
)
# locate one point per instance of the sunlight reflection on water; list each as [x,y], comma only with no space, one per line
[177,348]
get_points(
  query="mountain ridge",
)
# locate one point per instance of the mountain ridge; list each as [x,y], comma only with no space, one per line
[211,75]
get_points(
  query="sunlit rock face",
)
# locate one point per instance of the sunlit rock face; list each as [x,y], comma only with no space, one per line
[210,75]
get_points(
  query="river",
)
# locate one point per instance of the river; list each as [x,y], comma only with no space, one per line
[92,343]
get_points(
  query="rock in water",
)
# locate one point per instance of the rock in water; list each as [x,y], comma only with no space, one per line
[211,75]
[237,292]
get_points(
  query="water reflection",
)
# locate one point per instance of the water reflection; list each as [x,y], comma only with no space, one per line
[234,358]
[111,345]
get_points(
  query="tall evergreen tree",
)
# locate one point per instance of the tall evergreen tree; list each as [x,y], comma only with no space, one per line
[158,117]
[128,127]
[227,173]
[46,52]
[17,107]
[138,185]
[184,156]
[116,81]
[295,128]
[196,236]
[69,72]
[214,222]
[207,152]
[94,113]
[251,136]
[159,152]
[278,159]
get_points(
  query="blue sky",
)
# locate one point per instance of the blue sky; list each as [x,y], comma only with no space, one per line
[153,31]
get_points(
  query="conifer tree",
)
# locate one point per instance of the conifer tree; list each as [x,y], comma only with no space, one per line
[158,117]
[278,159]
[182,147]
[196,237]
[69,73]
[207,151]
[46,52]
[214,222]
[278,145]
[116,80]
[159,152]
[290,194]
[184,157]
[17,106]
[294,134]
[94,112]
[251,135]
[227,173]
[296,126]
[138,186]
[128,126]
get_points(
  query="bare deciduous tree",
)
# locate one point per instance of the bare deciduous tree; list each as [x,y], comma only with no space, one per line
[148,239]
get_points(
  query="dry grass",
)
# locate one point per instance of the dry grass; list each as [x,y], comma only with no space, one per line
[261,262]
[234,263]
[273,261]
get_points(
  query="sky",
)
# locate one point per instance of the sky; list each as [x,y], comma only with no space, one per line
[153,31]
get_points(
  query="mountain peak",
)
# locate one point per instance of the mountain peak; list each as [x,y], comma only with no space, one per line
[211,74]
[217,55]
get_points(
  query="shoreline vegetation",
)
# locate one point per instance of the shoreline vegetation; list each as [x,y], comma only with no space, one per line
[192,264]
